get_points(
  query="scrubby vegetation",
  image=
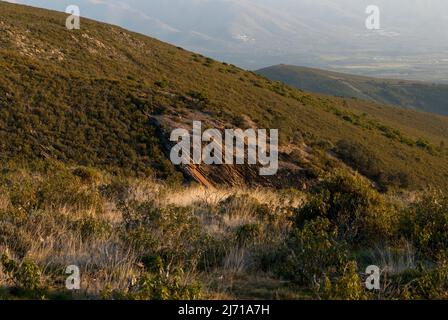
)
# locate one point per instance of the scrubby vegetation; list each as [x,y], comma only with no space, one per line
[85,180]
[135,238]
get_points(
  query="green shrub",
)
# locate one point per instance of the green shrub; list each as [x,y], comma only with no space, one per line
[164,286]
[323,144]
[394,179]
[161,84]
[118,190]
[90,227]
[424,144]
[247,233]
[348,286]
[23,195]
[349,202]
[214,251]
[26,276]
[425,224]
[359,157]
[198,96]
[235,204]
[280,89]
[87,175]
[426,283]
[209,62]
[313,252]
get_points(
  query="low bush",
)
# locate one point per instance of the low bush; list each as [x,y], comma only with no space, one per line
[313,253]
[26,276]
[362,215]
[165,286]
[173,234]
[90,227]
[425,224]
[87,175]
[348,286]
[247,233]
[422,283]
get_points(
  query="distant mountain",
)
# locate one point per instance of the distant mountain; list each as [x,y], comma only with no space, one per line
[421,96]
[108,98]
[328,34]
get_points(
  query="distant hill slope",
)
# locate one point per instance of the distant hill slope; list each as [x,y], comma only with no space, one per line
[416,95]
[106,97]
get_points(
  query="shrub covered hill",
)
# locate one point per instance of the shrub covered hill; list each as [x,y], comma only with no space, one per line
[85,117]
[105,97]
[429,97]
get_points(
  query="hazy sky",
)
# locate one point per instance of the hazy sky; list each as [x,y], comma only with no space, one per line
[257,33]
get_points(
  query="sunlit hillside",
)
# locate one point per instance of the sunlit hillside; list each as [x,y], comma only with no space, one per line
[85,177]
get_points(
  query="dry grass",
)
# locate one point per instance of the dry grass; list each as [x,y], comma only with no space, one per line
[89,232]
[4,201]
[395,261]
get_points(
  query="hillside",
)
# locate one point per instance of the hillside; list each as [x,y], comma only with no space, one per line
[86,182]
[421,96]
[89,97]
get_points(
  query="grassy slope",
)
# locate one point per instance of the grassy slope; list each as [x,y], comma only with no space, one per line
[418,95]
[84,97]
